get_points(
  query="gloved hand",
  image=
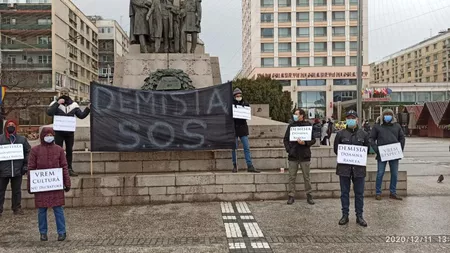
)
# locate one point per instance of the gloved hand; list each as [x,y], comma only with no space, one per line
[24,171]
[66,189]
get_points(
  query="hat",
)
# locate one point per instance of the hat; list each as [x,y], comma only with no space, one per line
[237,91]
[64,89]
[351,113]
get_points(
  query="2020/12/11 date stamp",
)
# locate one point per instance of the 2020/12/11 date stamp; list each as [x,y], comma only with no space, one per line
[418,239]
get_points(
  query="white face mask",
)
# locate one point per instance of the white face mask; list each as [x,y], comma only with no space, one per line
[239,99]
[49,139]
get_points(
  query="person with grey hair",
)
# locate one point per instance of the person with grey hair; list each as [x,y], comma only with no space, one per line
[65,106]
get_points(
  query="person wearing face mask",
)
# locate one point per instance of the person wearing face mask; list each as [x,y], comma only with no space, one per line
[65,106]
[48,155]
[299,154]
[241,129]
[386,132]
[13,170]
[352,135]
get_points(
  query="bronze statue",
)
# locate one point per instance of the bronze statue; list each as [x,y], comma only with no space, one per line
[193,21]
[140,28]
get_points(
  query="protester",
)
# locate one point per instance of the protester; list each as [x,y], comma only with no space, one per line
[366,126]
[324,135]
[330,129]
[388,131]
[299,153]
[352,135]
[317,131]
[48,155]
[13,170]
[65,106]
[242,133]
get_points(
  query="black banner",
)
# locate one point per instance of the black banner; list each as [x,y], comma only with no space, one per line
[129,120]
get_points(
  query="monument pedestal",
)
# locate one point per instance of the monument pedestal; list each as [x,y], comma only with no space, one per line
[132,69]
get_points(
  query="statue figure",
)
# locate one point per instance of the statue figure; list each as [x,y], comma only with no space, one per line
[183,34]
[154,18]
[175,13]
[139,27]
[193,21]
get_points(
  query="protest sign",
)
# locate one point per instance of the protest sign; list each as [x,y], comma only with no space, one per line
[352,155]
[11,152]
[242,112]
[46,180]
[303,133]
[390,152]
[64,123]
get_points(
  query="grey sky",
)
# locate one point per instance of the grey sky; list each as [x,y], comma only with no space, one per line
[393,25]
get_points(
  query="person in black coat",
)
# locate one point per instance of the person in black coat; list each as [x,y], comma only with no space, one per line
[241,128]
[352,135]
[299,153]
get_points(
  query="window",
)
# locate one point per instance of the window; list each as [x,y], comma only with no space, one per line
[423,97]
[44,21]
[104,58]
[8,21]
[353,2]
[320,61]
[339,31]
[338,46]
[353,31]
[312,99]
[267,32]
[435,57]
[408,97]
[311,82]
[284,62]
[338,2]
[353,15]
[284,17]
[320,46]
[303,61]
[82,41]
[284,47]
[395,96]
[302,16]
[43,40]
[438,96]
[353,46]
[284,32]
[267,62]
[320,16]
[303,32]
[303,3]
[303,47]
[428,69]
[353,60]
[267,47]
[266,3]
[320,31]
[45,59]
[341,96]
[344,82]
[266,17]
[339,61]
[320,2]
[435,46]
[284,3]
[427,49]
[338,15]
[285,82]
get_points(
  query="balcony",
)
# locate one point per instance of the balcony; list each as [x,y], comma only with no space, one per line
[27,46]
[27,66]
[7,27]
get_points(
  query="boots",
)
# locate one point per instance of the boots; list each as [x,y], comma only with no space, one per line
[62,237]
[344,220]
[19,211]
[44,238]
[360,220]
[235,169]
[309,199]
[252,169]
[290,200]
[72,173]
[392,196]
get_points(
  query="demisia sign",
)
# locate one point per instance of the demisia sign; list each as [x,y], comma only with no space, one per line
[297,75]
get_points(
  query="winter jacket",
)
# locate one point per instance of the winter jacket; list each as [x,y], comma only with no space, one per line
[14,168]
[297,152]
[48,156]
[317,130]
[240,125]
[386,133]
[357,137]
[69,108]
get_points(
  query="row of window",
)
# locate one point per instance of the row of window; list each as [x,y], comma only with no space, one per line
[320,82]
[317,99]
[305,47]
[305,31]
[13,21]
[305,3]
[305,61]
[419,97]
[305,17]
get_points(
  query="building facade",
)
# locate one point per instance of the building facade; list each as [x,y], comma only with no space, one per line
[424,62]
[310,45]
[113,43]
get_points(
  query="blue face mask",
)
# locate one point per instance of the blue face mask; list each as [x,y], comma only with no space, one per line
[295,117]
[351,123]
[387,118]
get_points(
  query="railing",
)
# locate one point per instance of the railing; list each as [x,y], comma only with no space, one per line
[26,65]
[24,46]
[5,27]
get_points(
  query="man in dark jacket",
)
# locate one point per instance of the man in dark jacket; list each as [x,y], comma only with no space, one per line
[299,153]
[65,106]
[242,133]
[13,170]
[386,132]
[347,173]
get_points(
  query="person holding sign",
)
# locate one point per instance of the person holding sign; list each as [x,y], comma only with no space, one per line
[43,157]
[351,166]
[241,128]
[298,141]
[66,107]
[14,151]
[388,141]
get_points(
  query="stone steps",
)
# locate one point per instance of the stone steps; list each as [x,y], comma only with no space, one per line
[144,189]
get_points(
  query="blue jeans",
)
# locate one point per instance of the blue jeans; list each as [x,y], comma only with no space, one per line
[248,155]
[358,188]
[393,166]
[59,217]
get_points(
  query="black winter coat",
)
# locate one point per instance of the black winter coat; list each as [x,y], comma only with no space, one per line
[357,137]
[15,168]
[386,133]
[240,125]
[297,152]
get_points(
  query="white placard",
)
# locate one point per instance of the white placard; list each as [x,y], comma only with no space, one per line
[64,123]
[242,112]
[391,152]
[46,180]
[11,152]
[352,155]
[303,133]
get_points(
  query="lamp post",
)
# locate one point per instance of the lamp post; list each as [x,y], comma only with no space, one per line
[359,60]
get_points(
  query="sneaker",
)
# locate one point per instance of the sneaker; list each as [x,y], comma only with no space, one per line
[378,197]
[309,199]
[73,173]
[18,212]
[252,169]
[360,220]
[344,220]
[44,238]
[62,237]
[394,196]
[290,200]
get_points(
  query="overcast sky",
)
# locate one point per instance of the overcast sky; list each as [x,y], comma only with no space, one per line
[393,25]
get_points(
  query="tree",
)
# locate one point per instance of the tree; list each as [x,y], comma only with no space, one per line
[264,90]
